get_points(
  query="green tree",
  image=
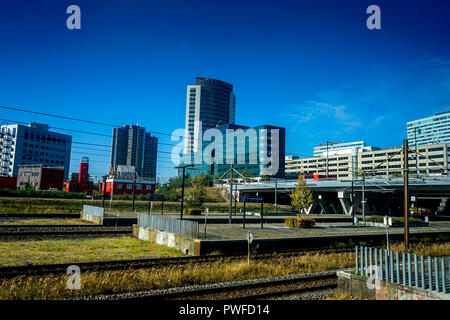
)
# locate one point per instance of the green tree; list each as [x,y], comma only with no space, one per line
[246,173]
[200,179]
[196,194]
[301,196]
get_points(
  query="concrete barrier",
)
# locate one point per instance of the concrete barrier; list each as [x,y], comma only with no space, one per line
[367,288]
[184,244]
[91,218]
[92,214]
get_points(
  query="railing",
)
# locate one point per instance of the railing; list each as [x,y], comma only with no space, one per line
[181,227]
[95,211]
[425,272]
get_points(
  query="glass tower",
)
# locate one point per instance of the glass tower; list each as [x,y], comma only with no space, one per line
[209,103]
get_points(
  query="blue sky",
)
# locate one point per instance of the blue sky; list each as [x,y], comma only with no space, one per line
[310,66]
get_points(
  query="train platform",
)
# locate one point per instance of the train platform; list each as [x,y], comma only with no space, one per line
[279,231]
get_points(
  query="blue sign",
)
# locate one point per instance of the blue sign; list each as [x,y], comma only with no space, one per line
[253,199]
[156,195]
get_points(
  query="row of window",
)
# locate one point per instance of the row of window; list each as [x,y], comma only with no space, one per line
[129,186]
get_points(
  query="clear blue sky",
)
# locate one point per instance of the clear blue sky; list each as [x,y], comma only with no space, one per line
[310,66]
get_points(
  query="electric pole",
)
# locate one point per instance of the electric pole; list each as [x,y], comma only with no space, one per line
[231,193]
[363,198]
[134,193]
[327,161]
[405,190]
[353,203]
[182,187]
[417,155]
[276,204]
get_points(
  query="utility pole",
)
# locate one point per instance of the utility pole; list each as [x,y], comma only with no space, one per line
[182,187]
[405,191]
[231,193]
[353,203]
[235,199]
[363,198]
[417,155]
[276,204]
[327,161]
[134,193]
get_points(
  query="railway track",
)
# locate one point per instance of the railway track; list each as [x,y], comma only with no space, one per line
[265,288]
[38,270]
[30,231]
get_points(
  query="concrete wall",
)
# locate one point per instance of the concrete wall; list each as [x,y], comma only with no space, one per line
[184,244]
[362,288]
[91,218]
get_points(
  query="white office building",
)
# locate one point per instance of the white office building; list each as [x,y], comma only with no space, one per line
[33,144]
[431,130]
[339,148]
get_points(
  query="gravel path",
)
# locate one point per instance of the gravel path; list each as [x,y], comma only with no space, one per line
[319,295]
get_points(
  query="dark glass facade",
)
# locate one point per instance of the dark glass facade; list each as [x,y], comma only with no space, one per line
[132,146]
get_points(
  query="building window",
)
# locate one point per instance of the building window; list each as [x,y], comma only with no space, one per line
[148,187]
[129,186]
[119,186]
[138,187]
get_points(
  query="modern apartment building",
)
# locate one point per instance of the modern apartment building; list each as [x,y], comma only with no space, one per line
[387,162]
[434,129]
[209,103]
[133,146]
[33,144]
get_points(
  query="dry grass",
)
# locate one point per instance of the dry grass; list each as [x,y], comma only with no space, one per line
[340,296]
[435,250]
[54,287]
[29,252]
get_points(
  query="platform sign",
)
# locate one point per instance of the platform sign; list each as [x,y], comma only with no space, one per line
[156,195]
[249,241]
[250,237]
[253,199]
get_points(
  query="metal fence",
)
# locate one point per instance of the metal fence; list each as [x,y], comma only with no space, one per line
[425,272]
[181,227]
[96,211]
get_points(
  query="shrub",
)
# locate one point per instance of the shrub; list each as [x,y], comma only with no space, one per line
[299,222]
[195,212]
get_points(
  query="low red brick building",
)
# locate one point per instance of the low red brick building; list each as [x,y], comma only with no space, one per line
[8,182]
[40,177]
[125,186]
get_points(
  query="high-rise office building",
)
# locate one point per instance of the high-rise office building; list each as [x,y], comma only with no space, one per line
[132,146]
[209,102]
[32,145]
[434,129]
[150,155]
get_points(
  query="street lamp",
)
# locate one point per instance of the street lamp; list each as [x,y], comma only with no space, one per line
[182,187]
